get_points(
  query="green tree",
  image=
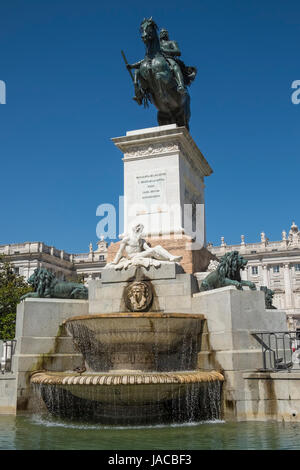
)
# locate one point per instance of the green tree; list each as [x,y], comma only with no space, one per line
[12,287]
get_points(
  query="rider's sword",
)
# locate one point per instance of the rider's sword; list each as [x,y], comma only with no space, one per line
[126,63]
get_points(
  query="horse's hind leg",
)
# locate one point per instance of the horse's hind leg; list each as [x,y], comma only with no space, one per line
[185,113]
[164,118]
[181,119]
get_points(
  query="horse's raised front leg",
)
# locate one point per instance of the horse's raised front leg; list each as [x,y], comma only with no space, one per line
[137,88]
[163,118]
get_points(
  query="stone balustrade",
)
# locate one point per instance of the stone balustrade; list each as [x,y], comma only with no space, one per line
[33,247]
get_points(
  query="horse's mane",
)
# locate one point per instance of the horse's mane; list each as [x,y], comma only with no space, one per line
[149,21]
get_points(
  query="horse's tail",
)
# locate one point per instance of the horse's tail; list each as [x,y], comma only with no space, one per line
[146,98]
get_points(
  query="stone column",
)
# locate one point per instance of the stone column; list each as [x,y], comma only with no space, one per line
[164,173]
[223,245]
[291,323]
[287,286]
[245,273]
[265,275]
[284,242]
[243,245]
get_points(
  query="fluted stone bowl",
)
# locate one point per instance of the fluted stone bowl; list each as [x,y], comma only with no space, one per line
[125,397]
[137,341]
[114,387]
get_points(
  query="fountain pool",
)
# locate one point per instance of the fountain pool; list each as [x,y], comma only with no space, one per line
[43,433]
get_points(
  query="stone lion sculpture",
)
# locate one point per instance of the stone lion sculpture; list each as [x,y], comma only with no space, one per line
[227,273]
[46,285]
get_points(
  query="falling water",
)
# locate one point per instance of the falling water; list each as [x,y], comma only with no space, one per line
[140,370]
[195,403]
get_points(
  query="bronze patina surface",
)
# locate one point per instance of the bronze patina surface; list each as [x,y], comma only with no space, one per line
[161,77]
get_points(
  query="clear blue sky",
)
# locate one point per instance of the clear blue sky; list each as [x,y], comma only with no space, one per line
[68,93]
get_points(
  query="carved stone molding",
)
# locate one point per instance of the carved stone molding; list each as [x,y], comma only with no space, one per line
[160,148]
[142,378]
[152,149]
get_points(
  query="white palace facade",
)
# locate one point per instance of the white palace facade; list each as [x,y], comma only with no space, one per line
[275,264]
[26,257]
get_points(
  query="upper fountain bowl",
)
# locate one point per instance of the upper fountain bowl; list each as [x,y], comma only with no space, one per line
[137,341]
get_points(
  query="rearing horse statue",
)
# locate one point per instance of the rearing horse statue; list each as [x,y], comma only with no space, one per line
[161,78]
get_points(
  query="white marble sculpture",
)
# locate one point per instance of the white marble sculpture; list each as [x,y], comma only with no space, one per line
[134,251]
[213,264]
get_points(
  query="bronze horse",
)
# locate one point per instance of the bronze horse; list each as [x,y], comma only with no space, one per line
[155,81]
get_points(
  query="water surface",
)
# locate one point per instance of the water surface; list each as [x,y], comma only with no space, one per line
[44,433]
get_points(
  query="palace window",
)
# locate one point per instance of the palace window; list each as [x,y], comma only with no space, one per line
[276,268]
[254,270]
[297,267]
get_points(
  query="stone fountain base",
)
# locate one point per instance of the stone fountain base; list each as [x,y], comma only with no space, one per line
[213,330]
[132,397]
[139,368]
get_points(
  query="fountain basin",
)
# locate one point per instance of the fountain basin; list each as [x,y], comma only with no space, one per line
[132,398]
[140,368]
[141,386]
[137,341]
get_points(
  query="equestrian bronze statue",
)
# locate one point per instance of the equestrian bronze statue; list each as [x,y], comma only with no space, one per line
[161,77]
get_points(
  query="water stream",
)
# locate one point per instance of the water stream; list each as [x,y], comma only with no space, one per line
[140,369]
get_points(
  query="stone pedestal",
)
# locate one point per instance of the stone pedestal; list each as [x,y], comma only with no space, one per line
[172,289]
[164,173]
[229,346]
[42,344]
[164,170]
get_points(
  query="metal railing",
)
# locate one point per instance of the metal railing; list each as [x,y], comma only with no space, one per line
[7,350]
[280,350]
